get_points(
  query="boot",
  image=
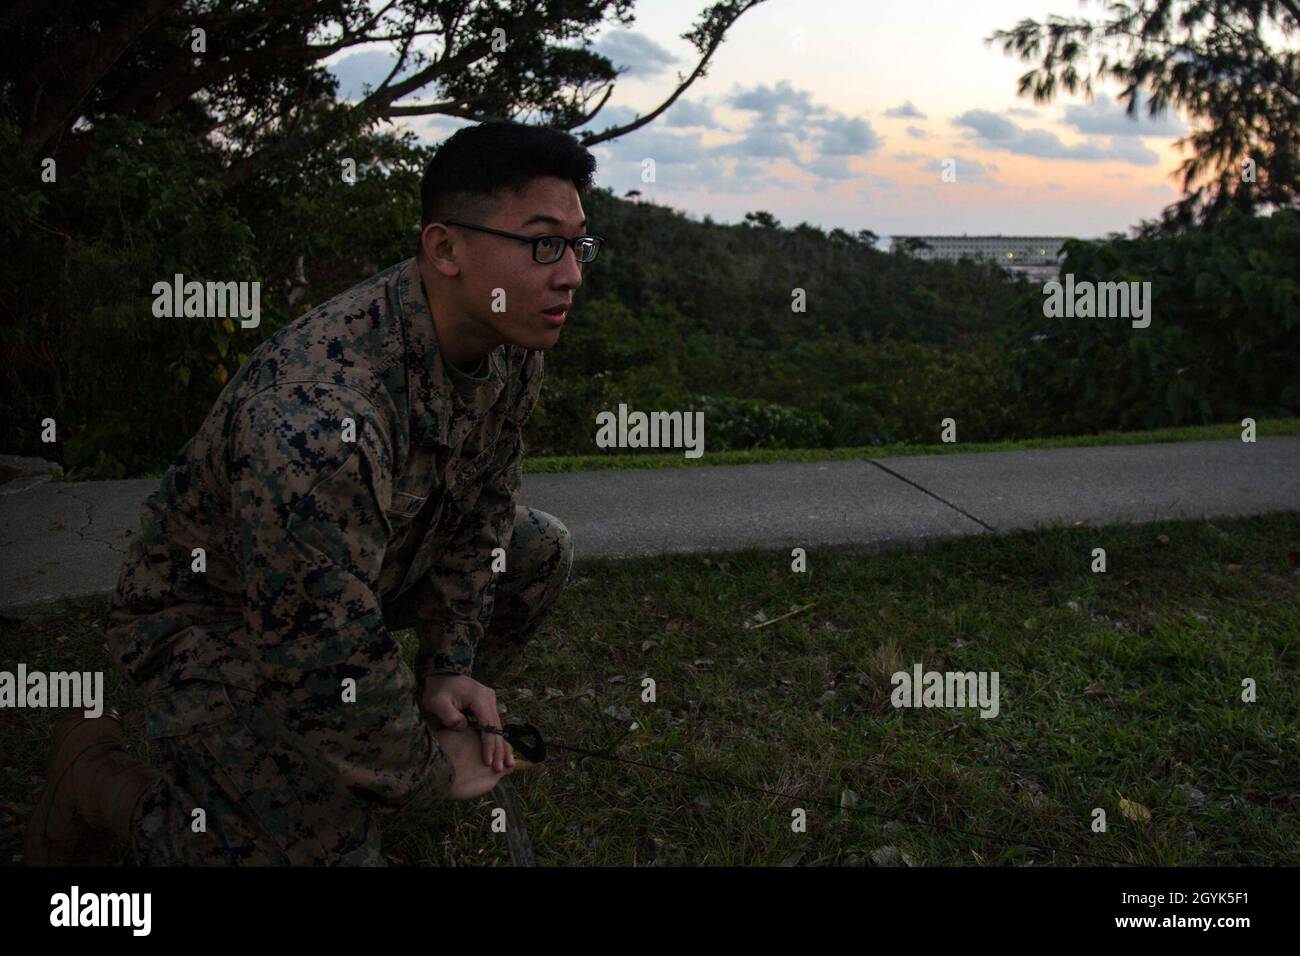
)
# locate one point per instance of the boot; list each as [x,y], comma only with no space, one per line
[89,796]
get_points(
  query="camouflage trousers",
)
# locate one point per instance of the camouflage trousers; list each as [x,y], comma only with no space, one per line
[236,791]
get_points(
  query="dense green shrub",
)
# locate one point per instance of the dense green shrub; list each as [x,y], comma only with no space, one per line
[1223,343]
[741,423]
[805,391]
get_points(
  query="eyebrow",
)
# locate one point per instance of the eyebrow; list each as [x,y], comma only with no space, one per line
[558,222]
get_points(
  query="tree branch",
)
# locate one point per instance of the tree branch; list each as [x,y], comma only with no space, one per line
[714,24]
[91,58]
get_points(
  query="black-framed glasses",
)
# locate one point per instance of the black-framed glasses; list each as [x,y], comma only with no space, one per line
[546,249]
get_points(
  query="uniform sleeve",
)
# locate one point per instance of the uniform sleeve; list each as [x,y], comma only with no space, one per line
[457,602]
[309,508]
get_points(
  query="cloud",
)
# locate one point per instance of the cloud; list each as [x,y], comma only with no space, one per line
[770,102]
[689,113]
[1021,111]
[1055,187]
[906,111]
[989,126]
[635,53]
[767,101]
[1106,117]
[788,116]
[835,168]
[356,71]
[1132,151]
[683,162]
[848,136]
[996,132]
[790,127]
[969,171]
[917,133]
[764,141]
[653,142]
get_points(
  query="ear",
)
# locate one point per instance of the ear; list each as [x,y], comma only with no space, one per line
[438,247]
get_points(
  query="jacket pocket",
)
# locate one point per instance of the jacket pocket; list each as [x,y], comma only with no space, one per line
[412,490]
[405,505]
[469,475]
[185,708]
[401,515]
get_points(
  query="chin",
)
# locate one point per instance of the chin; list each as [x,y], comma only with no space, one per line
[546,340]
[540,340]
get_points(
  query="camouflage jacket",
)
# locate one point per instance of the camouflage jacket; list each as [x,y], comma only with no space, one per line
[339,474]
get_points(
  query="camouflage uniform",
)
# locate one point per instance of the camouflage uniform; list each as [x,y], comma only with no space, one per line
[316,548]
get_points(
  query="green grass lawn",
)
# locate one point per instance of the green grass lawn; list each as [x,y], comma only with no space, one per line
[1123,685]
[655,459]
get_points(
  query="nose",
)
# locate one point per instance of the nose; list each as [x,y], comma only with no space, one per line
[568,271]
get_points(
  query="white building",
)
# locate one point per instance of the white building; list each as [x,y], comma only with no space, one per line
[1036,256]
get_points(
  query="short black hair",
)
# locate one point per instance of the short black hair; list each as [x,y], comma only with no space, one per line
[473,166]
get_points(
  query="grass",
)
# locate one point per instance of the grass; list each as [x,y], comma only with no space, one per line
[1123,685]
[764,456]
[621,462]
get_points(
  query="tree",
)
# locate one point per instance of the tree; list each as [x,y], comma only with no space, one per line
[806,230]
[912,245]
[1211,58]
[249,73]
[207,138]
[761,220]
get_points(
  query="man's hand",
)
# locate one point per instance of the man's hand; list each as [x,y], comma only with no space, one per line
[446,696]
[471,778]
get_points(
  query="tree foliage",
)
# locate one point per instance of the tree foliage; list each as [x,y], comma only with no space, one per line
[250,73]
[206,138]
[1231,65]
[1223,344]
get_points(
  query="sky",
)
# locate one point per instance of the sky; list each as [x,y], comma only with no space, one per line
[841,113]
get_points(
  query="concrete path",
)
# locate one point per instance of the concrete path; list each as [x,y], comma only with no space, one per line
[62,543]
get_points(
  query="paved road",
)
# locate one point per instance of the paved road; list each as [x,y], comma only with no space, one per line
[62,543]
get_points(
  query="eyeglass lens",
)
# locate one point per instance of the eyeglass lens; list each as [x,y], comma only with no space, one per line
[552,248]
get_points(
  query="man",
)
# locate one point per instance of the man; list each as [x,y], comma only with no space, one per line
[358,475]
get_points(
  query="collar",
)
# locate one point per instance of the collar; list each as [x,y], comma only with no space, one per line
[439,416]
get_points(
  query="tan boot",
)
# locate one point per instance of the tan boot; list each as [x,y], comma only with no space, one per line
[90,793]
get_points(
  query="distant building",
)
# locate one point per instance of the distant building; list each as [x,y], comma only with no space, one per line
[1034,256]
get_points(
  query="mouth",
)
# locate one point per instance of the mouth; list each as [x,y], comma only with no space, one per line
[556,316]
